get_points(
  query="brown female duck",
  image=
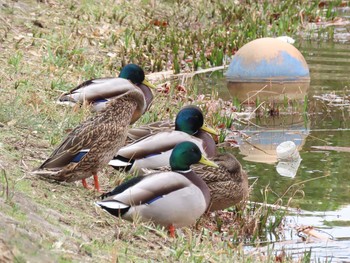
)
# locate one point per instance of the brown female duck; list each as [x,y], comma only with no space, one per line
[228,184]
[92,144]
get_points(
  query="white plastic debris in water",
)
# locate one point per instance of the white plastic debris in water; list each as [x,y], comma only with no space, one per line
[289,159]
[288,169]
[287,151]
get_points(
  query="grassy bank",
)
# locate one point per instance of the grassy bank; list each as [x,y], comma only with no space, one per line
[47,47]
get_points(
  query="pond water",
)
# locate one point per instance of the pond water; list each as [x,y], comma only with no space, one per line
[322,175]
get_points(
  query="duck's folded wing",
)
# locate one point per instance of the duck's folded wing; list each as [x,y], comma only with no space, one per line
[97,89]
[156,144]
[80,139]
[140,132]
[150,188]
[207,173]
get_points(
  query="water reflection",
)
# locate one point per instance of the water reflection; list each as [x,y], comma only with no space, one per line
[323,125]
[332,224]
[265,137]
[322,175]
[250,92]
[288,169]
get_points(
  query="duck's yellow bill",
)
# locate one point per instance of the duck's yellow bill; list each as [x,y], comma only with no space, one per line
[205,161]
[209,129]
[148,84]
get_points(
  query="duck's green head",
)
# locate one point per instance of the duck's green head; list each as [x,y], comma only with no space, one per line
[135,74]
[190,119]
[185,154]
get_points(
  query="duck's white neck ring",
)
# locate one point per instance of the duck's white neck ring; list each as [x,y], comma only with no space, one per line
[183,172]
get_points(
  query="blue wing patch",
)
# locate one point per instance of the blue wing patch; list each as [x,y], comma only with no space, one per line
[154,199]
[79,156]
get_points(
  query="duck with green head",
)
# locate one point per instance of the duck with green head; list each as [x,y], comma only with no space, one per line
[91,145]
[99,91]
[153,150]
[171,199]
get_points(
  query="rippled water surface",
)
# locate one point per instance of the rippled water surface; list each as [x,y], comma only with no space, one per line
[323,176]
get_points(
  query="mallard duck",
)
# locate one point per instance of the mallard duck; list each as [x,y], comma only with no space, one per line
[189,119]
[92,144]
[99,91]
[154,150]
[228,184]
[171,199]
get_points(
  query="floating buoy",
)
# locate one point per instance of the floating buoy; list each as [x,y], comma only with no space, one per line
[268,67]
[266,60]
